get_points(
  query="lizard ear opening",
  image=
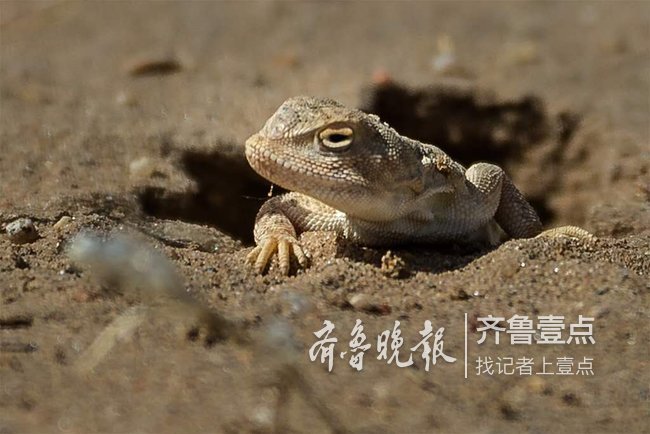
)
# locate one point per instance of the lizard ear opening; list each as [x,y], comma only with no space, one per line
[336,139]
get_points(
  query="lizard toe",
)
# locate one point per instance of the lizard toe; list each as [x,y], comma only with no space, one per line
[284,256]
[267,249]
[285,247]
[301,255]
[253,254]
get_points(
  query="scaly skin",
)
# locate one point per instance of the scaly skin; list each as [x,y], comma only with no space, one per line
[351,173]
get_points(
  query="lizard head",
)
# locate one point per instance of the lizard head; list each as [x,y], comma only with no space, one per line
[343,157]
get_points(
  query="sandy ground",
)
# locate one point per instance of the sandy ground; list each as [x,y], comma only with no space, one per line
[132,116]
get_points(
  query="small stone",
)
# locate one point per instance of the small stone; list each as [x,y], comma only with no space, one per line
[360,301]
[63,222]
[393,266]
[366,303]
[22,231]
[150,66]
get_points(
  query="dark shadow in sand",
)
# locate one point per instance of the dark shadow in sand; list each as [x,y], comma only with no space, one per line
[473,125]
[429,258]
[228,194]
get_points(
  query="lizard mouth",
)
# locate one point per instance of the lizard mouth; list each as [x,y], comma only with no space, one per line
[288,168]
[264,158]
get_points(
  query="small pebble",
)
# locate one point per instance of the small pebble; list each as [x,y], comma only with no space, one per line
[22,231]
[63,221]
[143,67]
[366,303]
[393,266]
[360,301]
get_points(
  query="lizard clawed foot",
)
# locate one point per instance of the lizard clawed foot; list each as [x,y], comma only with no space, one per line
[261,255]
[567,231]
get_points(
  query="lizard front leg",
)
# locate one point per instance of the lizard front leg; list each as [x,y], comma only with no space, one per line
[513,213]
[279,222]
[510,209]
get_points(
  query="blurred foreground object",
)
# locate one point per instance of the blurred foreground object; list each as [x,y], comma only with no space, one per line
[128,265]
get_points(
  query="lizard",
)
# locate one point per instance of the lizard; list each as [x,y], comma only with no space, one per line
[349,172]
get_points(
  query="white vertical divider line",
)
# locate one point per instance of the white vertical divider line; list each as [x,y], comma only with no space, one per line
[465,345]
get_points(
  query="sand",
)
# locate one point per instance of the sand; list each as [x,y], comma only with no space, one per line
[132,117]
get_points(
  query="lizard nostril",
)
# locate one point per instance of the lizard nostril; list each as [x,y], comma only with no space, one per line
[278,129]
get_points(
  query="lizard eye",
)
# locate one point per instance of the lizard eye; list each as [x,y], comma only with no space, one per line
[336,139]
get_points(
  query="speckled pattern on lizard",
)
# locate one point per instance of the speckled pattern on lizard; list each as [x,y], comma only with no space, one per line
[351,173]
